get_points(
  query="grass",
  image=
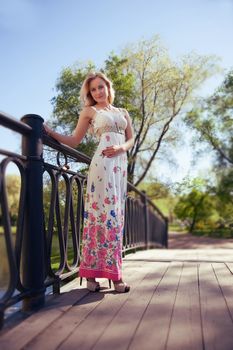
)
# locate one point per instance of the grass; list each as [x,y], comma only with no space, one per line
[215,233]
[166,205]
[177,228]
[55,259]
[13,230]
[205,231]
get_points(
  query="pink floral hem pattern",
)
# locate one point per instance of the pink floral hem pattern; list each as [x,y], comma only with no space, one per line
[100,274]
[105,202]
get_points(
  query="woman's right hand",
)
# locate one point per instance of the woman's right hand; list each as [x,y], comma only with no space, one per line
[48,129]
[76,137]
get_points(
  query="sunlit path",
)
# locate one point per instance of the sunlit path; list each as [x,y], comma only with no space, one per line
[187,241]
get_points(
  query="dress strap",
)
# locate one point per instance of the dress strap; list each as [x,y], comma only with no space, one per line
[95,109]
[122,110]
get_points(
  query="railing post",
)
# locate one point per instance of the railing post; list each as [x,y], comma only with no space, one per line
[33,269]
[166,233]
[1,319]
[144,200]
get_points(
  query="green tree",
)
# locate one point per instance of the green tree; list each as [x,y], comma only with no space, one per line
[224,193]
[163,89]
[193,208]
[153,88]
[124,82]
[161,195]
[67,104]
[13,186]
[213,121]
[225,186]
[116,68]
[155,190]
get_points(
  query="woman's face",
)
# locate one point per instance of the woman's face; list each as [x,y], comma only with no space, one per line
[99,90]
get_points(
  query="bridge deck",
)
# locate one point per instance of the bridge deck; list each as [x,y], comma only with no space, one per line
[179,299]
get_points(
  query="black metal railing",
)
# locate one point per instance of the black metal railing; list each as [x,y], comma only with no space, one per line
[32,264]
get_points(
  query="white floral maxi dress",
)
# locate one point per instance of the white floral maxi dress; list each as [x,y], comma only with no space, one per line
[105,201]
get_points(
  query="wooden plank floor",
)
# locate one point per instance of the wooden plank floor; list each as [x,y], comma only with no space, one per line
[180,299]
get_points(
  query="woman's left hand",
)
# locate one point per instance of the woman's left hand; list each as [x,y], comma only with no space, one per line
[112,151]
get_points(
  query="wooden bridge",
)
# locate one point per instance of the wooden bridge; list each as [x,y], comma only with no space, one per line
[181,298]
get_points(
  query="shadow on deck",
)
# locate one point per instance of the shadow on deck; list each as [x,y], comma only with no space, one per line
[179,299]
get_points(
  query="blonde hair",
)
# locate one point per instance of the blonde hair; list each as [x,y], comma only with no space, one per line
[85,94]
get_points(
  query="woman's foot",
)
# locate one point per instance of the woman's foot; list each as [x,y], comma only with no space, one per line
[120,286]
[92,285]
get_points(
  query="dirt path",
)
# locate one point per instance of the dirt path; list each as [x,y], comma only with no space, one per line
[188,241]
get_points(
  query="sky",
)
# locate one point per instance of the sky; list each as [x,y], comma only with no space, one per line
[38,38]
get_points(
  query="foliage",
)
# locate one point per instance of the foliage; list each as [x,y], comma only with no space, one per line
[161,196]
[166,205]
[155,190]
[194,207]
[116,68]
[216,232]
[224,194]
[13,186]
[63,191]
[163,89]
[153,88]
[67,104]
[213,121]
[225,186]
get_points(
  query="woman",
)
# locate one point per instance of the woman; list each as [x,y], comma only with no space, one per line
[107,180]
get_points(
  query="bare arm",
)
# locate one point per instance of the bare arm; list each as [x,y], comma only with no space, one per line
[79,132]
[128,133]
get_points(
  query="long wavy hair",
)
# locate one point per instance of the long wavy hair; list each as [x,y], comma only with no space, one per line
[85,94]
